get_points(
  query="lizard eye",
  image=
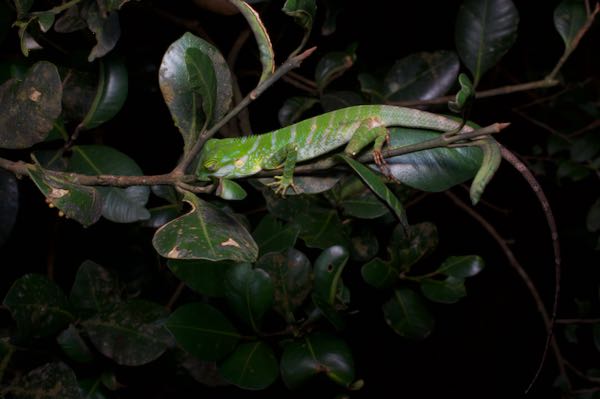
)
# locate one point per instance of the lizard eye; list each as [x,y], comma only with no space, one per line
[210,164]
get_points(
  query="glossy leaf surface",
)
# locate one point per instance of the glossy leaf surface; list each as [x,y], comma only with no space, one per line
[203,276]
[251,366]
[569,17]
[94,289]
[407,314]
[205,232]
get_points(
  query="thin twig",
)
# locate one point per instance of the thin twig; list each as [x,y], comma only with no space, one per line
[175,295]
[581,374]
[577,321]
[514,263]
[300,85]
[543,125]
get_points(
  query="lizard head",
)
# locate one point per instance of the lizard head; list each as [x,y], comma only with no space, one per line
[213,162]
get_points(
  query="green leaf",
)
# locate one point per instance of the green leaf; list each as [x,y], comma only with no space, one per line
[251,366]
[249,293]
[110,95]
[45,20]
[572,170]
[30,106]
[52,380]
[462,266]
[378,187]
[364,245]
[315,354]
[203,276]
[421,76]
[320,227]
[131,333]
[74,346]
[592,220]
[328,270]
[569,18]
[465,95]
[273,236]
[161,215]
[433,170]
[230,190]
[291,275]
[379,273]
[106,29]
[9,206]
[265,49]
[202,80]
[421,241]
[450,290]
[303,12]
[585,148]
[407,314]
[485,31]
[94,289]
[181,91]
[38,306]
[490,162]
[333,65]
[121,205]
[203,331]
[205,232]
[293,108]
[357,200]
[80,203]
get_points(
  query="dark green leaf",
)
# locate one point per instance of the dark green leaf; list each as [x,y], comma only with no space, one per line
[572,170]
[9,192]
[421,76]
[38,306]
[328,270]
[168,193]
[161,215]
[30,107]
[94,289]
[293,108]
[592,220]
[74,346]
[303,12]
[485,31]
[273,236]
[52,380]
[265,50]
[203,276]
[291,275]
[315,354]
[569,18]
[332,100]
[249,293]
[333,65]
[70,21]
[421,241]
[80,203]
[180,94]
[106,29]
[450,290]
[203,331]
[407,315]
[121,205]
[45,20]
[202,80]
[433,170]
[131,333]
[230,190]
[371,86]
[111,93]
[358,200]
[585,148]
[251,366]
[462,266]
[378,187]
[379,274]
[364,245]
[91,389]
[206,232]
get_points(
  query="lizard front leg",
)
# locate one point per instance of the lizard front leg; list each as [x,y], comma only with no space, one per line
[286,156]
[370,131]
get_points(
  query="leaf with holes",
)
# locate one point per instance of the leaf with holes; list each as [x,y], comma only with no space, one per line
[251,366]
[203,331]
[38,305]
[205,232]
[291,274]
[421,76]
[182,88]
[249,293]
[130,333]
[30,106]
[485,31]
[121,205]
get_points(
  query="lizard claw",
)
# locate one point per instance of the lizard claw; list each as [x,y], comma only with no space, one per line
[281,185]
[383,166]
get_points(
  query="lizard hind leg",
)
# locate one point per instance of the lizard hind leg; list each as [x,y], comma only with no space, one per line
[371,130]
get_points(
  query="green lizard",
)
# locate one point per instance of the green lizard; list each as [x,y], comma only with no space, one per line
[356,127]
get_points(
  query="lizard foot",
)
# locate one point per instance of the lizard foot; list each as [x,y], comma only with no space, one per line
[383,166]
[282,184]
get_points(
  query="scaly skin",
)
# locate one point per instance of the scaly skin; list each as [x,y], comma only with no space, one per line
[355,127]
